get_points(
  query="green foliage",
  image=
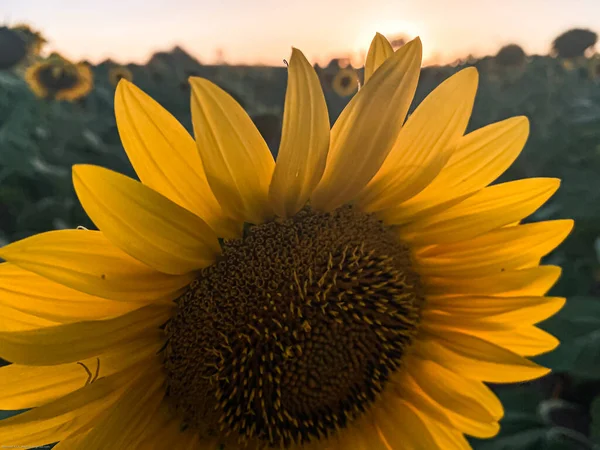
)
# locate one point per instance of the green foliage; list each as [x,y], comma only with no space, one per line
[578,328]
[574,43]
[13,48]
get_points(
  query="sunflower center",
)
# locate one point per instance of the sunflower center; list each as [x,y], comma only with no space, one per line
[345,82]
[57,77]
[295,330]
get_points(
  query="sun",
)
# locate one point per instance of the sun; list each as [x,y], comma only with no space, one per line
[390,29]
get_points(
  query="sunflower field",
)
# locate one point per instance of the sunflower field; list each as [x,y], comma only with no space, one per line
[55,113]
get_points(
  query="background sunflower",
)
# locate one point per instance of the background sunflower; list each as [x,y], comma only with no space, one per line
[345,82]
[59,79]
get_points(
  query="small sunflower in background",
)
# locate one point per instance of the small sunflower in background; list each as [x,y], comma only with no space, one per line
[345,82]
[118,73]
[357,293]
[13,48]
[59,79]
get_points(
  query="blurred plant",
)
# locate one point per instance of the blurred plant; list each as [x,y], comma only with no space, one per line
[116,73]
[594,67]
[13,48]
[345,82]
[34,39]
[511,55]
[59,79]
[574,43]
[269,126]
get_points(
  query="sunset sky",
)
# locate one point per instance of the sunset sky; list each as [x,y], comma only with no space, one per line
[262,31]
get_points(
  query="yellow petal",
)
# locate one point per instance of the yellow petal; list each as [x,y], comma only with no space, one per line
[165,431]
[61,418]
[73,442]
[490,208]
[497,251]
[304,139]
[524,341]
[403,428]
[367,128]
[466,397]
[476,358]
[480,158]
[405,386]
[512,283]
[32,294]
[509,310]
[447,438]
[12,319]
[86,261]
[143,223]
[362,435]
[121,426]
[165,157]
[379,51]
[78,341]
[30,386]
[236,159]
[424,144]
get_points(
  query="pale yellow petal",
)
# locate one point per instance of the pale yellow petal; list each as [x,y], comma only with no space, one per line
[304,139]
[424,144]
[143,223]
[65,416]
[512,283]
[121,426]
[362,434]
[73,442]
[30,386]
[165,157]
[367,128]
[476,358]
[405,386]
[524,340]
[379,51]
[34,295]
[165,432]
[490,208]
[237,161]
[82,340]
[12,319]
[86,261]
[480,157]
[497,251]
[403,428]
[510,310]
[467,397]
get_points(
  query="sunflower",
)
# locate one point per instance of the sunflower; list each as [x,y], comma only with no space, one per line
[118,73]
[355,294]
[59,79]
[345,82]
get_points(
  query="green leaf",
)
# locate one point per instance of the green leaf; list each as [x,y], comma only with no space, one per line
[595,425]
[577,326]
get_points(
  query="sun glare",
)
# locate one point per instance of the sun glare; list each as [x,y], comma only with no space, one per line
[391,29]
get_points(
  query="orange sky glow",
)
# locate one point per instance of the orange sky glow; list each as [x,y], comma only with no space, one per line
[262,31]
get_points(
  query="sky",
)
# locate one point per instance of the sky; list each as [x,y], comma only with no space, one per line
[263,31]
